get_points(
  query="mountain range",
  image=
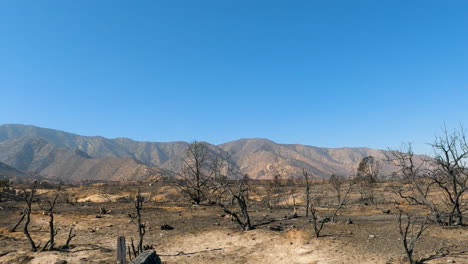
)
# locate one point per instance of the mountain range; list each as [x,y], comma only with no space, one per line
[26,149]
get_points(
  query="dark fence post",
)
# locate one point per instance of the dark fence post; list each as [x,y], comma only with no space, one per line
[121,248]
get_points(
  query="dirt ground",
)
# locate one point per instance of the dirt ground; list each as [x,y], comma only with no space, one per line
[202,234]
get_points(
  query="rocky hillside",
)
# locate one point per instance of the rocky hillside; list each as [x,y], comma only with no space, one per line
[262,158]
[68,156]
[41,157]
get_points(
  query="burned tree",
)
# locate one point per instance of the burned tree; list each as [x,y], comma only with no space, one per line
[141,227]
[223,191]
[195,172]
[29,198]
[292,193]
[368,169]
[139,199]
[336,181]
[417,174]
[307,190]
[242,218]
[451,173]
[342,198]
[23,214]
[273,190]
[49,210]
[71,235]
[367,173]
[411,230]
[317,222]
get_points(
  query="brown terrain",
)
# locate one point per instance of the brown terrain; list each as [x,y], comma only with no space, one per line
[203,234]
[70,157]
[96,181]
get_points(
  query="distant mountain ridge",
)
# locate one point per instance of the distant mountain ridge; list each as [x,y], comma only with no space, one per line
[67,156]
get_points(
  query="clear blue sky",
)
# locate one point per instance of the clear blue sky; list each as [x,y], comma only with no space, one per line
[325,73]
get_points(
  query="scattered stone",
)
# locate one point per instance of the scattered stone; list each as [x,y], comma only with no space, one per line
[276,228]
[217,224]
[371,236]
[349,221]
[61,262]
[110,225]
[167,227]
[98,216]
[221,215]
[386,211]
[451,261]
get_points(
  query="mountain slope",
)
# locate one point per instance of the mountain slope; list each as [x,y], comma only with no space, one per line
[7,172]
[65,155]
[262,158]
[152,153]
[39,156]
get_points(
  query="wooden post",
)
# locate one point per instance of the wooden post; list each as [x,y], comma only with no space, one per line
[121,248]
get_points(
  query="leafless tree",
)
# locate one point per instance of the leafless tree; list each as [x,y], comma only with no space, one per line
[411,229]
[49,210]
[342,198]
[242,217]
[451,174]
[368,168]
[307,190]
[367,173]
[273,190]
[236,192]
[417,173]
[336,181]
[292,193]
[23,214]
[141,227]
[195,172]
[29,198]
[317,222]
[71,235]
